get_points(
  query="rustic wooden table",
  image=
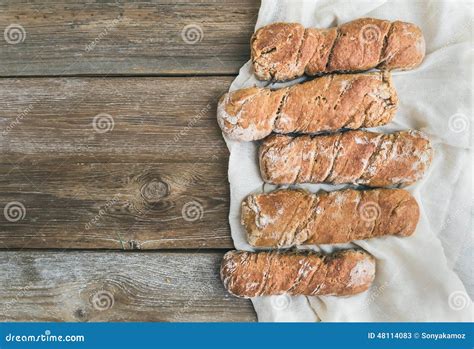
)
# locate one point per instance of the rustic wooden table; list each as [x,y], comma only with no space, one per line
[113,176]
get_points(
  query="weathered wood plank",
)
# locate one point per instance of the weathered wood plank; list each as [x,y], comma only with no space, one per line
[108,37]
[111,286]
[96,205]
[157,179]
[113,119]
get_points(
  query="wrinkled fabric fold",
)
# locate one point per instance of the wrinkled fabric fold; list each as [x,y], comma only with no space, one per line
[415,280]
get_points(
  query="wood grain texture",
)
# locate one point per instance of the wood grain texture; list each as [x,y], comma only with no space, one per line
[155,176]
[102,119]
[105,286]
[110,162]
[110,37]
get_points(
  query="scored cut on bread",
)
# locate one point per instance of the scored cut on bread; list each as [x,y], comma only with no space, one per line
[289,217]
[328,103]
[357,157]
[284,51]
[249,274]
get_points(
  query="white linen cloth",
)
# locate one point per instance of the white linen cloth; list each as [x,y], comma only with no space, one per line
[417,278]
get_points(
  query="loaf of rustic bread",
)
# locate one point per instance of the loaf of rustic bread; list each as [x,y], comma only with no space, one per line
[327,103]
[283,51]
[358,157]
[285,217]
[247,274]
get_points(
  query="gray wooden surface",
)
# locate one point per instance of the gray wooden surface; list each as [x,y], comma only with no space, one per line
[121,286]
[68,37]
[109,143]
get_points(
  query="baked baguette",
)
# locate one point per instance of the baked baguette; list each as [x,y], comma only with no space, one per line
[285,218]
[283,51]
[358,157]
[327,103]
[247,274]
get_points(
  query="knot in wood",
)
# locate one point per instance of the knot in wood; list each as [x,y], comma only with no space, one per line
[154,190]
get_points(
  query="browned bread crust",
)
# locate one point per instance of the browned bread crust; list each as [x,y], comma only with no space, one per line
[327,103]
[283,51]
[358,157]
[247,274]
[285,218]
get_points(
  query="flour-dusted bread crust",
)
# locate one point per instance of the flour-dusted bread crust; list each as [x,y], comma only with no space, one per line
[247,274]
[327,103]
[284,51]
[358,157]
[285,217]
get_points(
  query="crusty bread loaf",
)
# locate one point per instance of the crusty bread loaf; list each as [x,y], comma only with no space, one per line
[247,274]
[285,218]
[358,157]
[283,51]
[327,103]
